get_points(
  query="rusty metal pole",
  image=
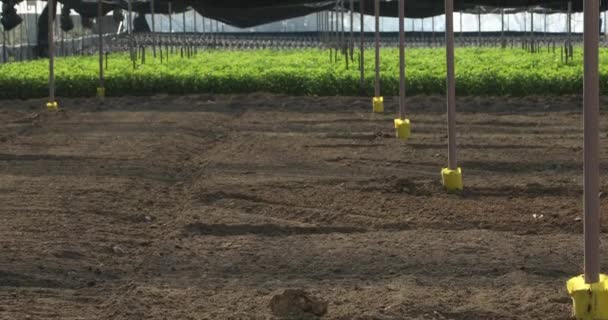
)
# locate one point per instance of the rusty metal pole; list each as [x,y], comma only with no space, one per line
[451,84]
[51,40]
[100,38]
[130,30]
[352,30]
[377,14]
[569,40]
[401,60]
[152,13]
[503,44]
[170,10]
[591,145]
[362,47]
[194,13]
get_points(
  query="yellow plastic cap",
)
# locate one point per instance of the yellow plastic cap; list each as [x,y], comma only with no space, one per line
[590,301]
[101,92]
[452,179]
[52,106]
[378,104]
[402,128]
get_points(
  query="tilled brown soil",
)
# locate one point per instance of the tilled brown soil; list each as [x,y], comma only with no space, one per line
[205,207]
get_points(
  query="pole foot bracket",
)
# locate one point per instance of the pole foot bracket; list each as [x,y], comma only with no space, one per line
[590,301]
[378,104]
[402,128]
[452,179]
[52,106]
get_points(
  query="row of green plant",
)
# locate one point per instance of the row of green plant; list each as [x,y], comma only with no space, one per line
[479,71]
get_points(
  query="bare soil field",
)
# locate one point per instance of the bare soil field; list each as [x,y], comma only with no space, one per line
[205,207]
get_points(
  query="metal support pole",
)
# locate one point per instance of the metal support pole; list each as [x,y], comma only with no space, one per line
[532,30]
[401,60]
[479,23]
[545,24]
[591,145]
[451,83]
[362,49]
[62,41]
[153,29]
[130,31]
[21,39]
[352,30]
[342,41]
[194,13]
[502,28]
[170,9]
[184,28]
[203,23]
[433,29]
[377,14]
[4,52]
[51,41]
[606,26]
[461,28]
[569,20]
[100,36]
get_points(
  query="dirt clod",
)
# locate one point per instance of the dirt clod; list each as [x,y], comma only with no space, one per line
[297,304]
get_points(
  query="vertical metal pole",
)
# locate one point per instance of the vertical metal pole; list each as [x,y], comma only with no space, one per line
[130,30]
[51,40]
[184,27]
[62,40]
[433,29]
[21,39]
[170,9]
[377,14]
[194,13]
[342,41]
[401,59]
[532,30]
[362,49]
[100,35]
[606,26]
[502,28]
[525,22]
[26,25]
[461,28]
[451,84]
[36,13]
[352,29]
[569,20]
[4,53]
[153,28]
[479,23]
[545,23]
[591,145]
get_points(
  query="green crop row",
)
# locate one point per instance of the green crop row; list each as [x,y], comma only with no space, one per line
[307,72]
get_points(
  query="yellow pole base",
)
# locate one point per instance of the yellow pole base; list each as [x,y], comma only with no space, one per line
[52,106]
[402,128]
[378,104]
[452,179]
[101,92]
[590,300]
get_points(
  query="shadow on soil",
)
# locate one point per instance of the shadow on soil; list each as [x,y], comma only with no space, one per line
[267,230]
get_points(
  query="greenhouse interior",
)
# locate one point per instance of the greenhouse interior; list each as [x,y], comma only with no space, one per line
[303,159]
